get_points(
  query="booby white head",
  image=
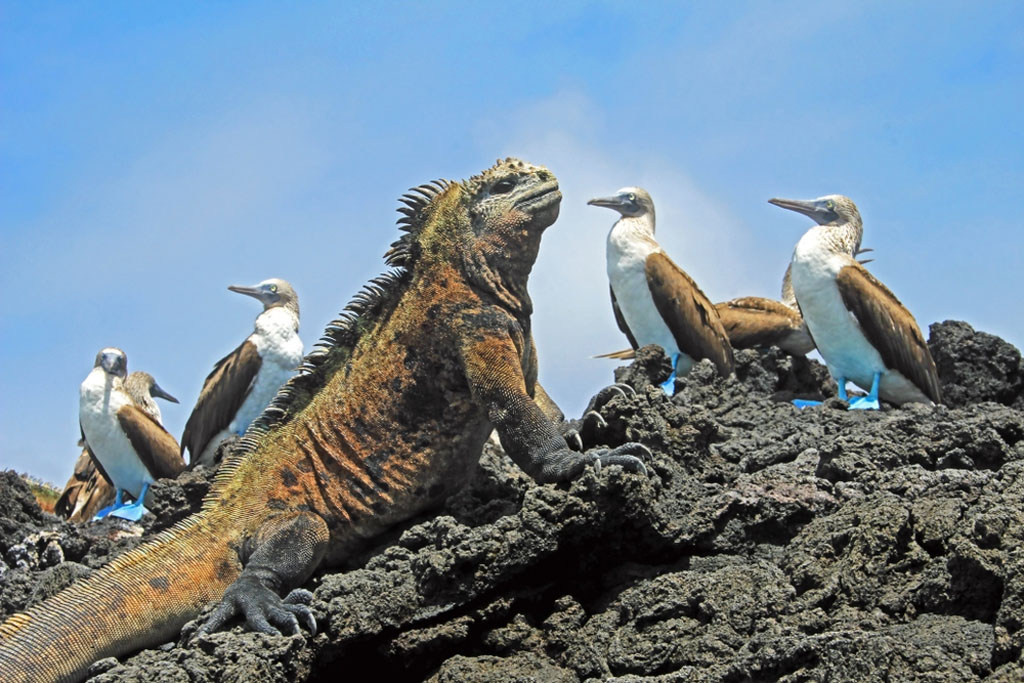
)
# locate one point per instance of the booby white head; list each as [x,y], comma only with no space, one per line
[113,362]
[654,300]
[143,389]
[243,383]
[130,447]
[272,293]
[860,328]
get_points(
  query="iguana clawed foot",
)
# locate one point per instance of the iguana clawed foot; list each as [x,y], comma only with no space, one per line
[263,610]
[592,418]
[625,456]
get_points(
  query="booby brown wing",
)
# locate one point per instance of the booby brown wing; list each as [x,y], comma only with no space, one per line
[621,321]
[86,492]
[65,505]
[157,449]
[890,328]
[223,392]
[694,322]
[755,322]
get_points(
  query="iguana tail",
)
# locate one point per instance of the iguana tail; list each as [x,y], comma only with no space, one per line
[141,599]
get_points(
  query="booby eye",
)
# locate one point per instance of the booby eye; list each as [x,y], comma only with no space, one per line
[273,289]
[830,205]
[503,186]
[632,197]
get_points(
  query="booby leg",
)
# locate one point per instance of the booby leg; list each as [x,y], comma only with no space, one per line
[869,402]
[132,511]
[669,385]
[118,502]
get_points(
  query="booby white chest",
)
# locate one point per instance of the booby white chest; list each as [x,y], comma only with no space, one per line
[280,348]
[100,397]
[628,247]
[836,332]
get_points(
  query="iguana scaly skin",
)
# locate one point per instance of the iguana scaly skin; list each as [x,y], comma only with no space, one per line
[387,418]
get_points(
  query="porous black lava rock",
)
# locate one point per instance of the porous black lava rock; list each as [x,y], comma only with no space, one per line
[976,366]
[765,544]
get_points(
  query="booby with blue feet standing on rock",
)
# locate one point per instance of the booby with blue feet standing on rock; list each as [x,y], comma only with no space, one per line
[654,300]
[243,383]
[88,490]
[130,448]
[860,328]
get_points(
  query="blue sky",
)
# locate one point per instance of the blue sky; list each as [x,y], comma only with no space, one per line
[153,153]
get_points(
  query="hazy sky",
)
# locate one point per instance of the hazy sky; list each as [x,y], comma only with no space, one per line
[153,153]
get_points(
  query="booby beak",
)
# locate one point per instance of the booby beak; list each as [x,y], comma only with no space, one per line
[613,202]
[113,362]
[815,209]
[254,292]
[157,392]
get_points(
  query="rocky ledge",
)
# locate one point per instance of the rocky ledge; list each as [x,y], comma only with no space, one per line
[767,543]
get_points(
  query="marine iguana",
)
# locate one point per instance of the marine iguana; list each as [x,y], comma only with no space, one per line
[386,418]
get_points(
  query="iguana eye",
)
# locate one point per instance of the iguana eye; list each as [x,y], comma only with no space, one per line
[503,186]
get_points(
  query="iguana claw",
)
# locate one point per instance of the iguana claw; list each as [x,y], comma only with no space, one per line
[592,418]
[625,456]
[263,610]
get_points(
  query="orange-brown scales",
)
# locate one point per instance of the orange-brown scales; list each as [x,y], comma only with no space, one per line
[388,416]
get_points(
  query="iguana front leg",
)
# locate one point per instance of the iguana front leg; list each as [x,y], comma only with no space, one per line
[495,374]
[284,553]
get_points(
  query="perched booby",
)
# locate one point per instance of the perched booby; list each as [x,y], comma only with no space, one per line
[130,448]
[654,300]
[87,491]
[243,383]
[861,329]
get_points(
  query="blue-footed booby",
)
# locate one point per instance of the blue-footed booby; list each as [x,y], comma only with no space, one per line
[87,491]
[860,328]
[654,300]
[243,383]
[130,448]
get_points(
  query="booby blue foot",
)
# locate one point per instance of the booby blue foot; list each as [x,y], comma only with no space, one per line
[130,511]
[118,503]
[669,385]
[805,403]
[869,402]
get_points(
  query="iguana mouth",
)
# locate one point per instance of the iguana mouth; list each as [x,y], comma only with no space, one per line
[540,197]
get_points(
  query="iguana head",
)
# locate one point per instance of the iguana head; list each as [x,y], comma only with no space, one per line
[489,227]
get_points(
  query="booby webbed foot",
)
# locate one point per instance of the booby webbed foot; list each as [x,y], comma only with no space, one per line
[263,609]
[869,402]
[118,503]
[133,512]
[805,403]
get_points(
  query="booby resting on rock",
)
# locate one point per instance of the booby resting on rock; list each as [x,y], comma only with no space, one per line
[243,383]
[860,328]
[654,300]
[87,491]
[130,448]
